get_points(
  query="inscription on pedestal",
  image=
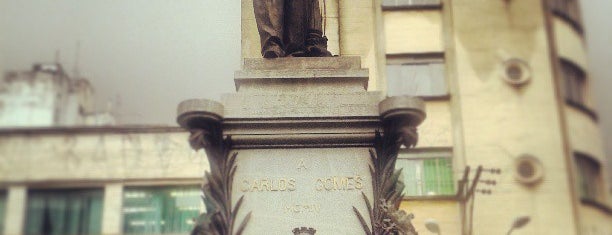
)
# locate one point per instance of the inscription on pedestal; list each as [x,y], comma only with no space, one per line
[301,105]
[289,188]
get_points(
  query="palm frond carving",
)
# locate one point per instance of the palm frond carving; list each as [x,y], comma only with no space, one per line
[217,189]
[385,216]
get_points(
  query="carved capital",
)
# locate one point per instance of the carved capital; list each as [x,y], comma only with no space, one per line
[400,117]
[203,120]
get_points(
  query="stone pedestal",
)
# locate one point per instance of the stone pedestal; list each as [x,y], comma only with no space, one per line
[301,129]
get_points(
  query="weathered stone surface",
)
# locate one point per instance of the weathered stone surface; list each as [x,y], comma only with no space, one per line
[301,87]
[302,128]
[98,154]
[334,74]
[287,80]
[314,187]
[194,111]
[301,105]
[293,63]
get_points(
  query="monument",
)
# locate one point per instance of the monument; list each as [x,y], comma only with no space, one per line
[290,28]
[302,147]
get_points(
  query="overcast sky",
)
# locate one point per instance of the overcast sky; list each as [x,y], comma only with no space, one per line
[145,56]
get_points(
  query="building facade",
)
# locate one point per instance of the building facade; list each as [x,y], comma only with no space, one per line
[46,96]
[505,85]
[99,180]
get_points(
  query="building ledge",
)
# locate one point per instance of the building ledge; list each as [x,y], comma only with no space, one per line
[90,129]
[584,109]
[436,98]
[98,182]
[431,198]
[597,205]
[569,20]
[413,7]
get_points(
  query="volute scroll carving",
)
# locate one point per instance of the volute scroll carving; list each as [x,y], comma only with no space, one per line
[400,117]
[203,119]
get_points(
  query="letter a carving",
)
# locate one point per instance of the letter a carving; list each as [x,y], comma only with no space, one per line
[302,165]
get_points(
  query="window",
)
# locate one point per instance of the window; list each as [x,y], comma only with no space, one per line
[410,3]
[567,9]
[416,76]
[589,177]
[2,210]
[426,172]
[161,210]
[575,83]
[65,212]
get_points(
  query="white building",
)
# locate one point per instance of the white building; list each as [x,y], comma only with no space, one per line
[47,96]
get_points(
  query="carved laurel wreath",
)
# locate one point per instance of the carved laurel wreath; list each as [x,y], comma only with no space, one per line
[385,216]
[220,219]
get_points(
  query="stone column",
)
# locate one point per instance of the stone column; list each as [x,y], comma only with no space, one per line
[113,204]
[16,210]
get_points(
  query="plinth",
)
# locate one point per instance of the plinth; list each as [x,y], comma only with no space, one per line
[292,148]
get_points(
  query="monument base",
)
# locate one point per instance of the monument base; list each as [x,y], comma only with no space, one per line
[294,146]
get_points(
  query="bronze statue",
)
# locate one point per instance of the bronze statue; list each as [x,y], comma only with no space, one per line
[290,28]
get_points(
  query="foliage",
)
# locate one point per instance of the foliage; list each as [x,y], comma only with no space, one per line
[385,217]
[221,217]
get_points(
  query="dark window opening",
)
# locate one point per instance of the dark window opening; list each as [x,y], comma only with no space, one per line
[590,185]
[65,212]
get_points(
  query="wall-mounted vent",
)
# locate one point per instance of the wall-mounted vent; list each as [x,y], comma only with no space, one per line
[516,72]
[528,169]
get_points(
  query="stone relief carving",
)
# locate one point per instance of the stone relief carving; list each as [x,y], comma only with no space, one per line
[384,214]
[400,117]
[221,216]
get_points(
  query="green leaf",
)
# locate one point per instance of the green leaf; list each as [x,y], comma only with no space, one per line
[243,224]
[364,224]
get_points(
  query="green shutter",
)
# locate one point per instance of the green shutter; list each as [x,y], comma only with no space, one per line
[65,212]
[410,176]
[447,182]
[427,173]
[160,210]
[430,184]
[438,177]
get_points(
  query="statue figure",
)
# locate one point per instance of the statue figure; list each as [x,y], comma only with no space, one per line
[290,28]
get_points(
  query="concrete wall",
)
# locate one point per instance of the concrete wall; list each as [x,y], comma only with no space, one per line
[444,212]
[584,133]
[571,46]
[29,98]
[43,99]
[413,31]
[436,130]
[108,158]
[501,122]
[595,222]
[489,122]
[101,154]
[362,34]
[569,43]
